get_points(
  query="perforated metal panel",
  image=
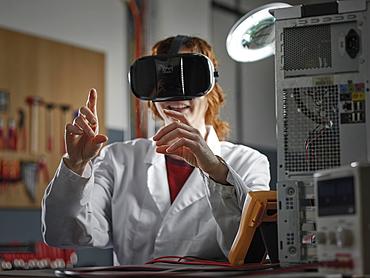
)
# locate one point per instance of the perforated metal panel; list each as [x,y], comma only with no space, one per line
[320,125]
[307,47]
[311,128]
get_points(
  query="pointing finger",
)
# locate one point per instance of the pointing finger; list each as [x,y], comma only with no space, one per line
[91,101]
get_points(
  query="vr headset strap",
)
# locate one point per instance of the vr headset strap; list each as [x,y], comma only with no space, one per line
[176,44]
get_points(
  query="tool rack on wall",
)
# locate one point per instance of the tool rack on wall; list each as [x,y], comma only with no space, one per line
[42,84]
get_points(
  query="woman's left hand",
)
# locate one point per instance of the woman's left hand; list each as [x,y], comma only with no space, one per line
[181,139]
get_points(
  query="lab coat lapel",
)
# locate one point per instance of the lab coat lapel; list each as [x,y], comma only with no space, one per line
[157,180]
[192,191]
[194,188]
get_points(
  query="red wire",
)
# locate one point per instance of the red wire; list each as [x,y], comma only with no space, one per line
[309,141]
[138,47]
[186,260]
[253,266]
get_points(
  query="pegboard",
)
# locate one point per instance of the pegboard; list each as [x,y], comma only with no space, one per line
[58,74]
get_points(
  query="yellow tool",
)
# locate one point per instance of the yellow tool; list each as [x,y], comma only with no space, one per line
[259,207]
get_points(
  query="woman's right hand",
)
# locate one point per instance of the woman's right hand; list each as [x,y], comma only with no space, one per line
[82,138]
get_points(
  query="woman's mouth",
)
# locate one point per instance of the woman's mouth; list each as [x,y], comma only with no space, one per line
[178,107]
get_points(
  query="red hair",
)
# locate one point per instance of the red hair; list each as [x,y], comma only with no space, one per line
[215,98]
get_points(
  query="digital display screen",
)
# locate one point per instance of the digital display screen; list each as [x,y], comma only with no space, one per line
[336,196]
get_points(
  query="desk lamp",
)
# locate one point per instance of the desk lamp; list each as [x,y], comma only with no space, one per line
[252,37]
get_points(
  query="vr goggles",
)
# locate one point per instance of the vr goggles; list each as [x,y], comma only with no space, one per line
[172,76]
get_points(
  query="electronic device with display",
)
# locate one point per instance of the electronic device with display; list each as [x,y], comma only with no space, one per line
[343,218]
[257,233]
[322,72]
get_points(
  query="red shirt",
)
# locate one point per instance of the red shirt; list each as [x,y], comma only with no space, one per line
[177,173]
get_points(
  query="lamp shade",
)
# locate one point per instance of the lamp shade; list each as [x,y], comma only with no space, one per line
[252,37]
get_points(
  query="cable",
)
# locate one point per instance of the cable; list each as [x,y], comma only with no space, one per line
[167,271]
[310,140]
[189,260]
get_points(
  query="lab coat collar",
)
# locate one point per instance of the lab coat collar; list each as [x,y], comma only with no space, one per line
[212,140]
[158,182]
[191,192]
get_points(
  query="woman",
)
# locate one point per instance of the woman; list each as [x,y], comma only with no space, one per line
[179,193]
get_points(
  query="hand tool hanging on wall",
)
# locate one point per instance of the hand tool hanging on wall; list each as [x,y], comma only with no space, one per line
[29,177]
[64,108]
[22,134]
[12,138]
[14,170]
[4,101]
[34,103]
[2,134]
[4,174]
[2,182]
[49,133]
[10,173]
[43,169]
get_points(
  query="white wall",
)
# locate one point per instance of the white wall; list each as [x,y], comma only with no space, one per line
[258,97]
[94,24]
[173,17]
[221,24]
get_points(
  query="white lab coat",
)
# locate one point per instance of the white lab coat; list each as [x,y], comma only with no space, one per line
[122,201]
